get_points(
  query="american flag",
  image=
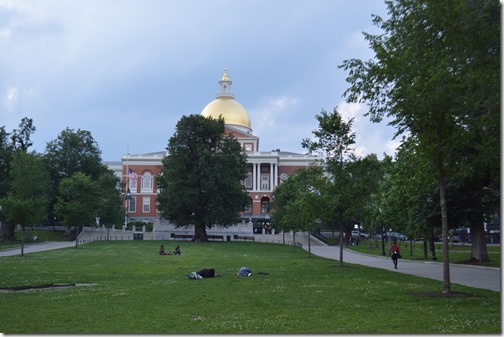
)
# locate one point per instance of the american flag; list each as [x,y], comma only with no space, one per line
[132,175]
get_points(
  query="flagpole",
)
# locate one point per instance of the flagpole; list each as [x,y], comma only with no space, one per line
[127,199]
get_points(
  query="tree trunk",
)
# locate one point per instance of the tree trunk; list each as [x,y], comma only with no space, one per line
[9,233]
[444,224]
[200,234]
[479,250]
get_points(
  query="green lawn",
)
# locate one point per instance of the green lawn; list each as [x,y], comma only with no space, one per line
[132,289]
[458,253]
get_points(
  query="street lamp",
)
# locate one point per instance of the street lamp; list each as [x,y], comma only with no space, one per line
[382,243]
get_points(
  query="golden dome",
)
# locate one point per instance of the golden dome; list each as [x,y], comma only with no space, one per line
[224,104]
[232,111]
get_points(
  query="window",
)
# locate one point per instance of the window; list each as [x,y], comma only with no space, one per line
[264,183]
[147,182]
[265,206]
[132,204]
[146,205]
[133,185]
[248,181]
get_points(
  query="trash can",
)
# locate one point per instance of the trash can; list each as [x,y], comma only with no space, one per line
[228,238]
[137,236]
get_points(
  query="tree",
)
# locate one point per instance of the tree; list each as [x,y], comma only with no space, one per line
[201,181]
[366,175]
[72,152]
[111,210]
[21,138]
[26,203]
[78,202]
[6,153]
[18,140]
[435,74]
[333,140]
[298,203]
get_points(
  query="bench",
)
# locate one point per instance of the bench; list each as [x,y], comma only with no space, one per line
[182,236]
[241,237]
[216,237]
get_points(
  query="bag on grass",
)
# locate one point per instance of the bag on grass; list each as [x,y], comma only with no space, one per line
[244,271]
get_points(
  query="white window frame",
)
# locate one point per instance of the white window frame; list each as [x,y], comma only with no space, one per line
[146,205]
[147,182]
[132,205]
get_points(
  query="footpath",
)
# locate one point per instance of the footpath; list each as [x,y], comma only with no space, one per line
[468,275]
[472,276]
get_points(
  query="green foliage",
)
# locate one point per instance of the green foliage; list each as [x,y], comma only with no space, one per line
[139,224]
[297,201]
[130,289]
[111,208]
[72,152]
[78,201]
[26,202]
[436,75]
[201,178]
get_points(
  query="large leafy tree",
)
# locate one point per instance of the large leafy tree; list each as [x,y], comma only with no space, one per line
[333,140]
[366,174]
[436,75]
[111,209]
[78,202]
[298,201]
[26,202]
[10,143]
[201,181]
[72,152]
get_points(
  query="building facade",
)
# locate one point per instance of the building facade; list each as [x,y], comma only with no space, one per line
[266,169]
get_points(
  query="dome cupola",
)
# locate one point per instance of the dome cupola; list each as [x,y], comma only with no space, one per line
[225,105]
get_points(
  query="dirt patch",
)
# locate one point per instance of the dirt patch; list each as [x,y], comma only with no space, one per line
[441,294]
[41,286]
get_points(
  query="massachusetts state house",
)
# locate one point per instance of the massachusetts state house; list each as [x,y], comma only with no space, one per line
[266,169]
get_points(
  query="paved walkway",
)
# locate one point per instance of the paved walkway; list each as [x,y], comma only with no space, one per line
[472,276]
[37,247]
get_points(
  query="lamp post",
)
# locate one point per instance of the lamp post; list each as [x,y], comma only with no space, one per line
[382,243]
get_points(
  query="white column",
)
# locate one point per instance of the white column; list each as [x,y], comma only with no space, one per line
[276,173]
[258,176]
[271,177]
[254,177]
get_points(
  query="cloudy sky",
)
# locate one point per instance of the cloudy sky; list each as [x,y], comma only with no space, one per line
[127,71]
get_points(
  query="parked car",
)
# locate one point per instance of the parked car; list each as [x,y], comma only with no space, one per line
[396,236]
[358,235]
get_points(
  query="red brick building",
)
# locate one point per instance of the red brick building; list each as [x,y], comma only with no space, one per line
[266,169]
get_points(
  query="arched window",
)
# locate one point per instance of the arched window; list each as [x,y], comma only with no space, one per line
[265,206]
[147,182]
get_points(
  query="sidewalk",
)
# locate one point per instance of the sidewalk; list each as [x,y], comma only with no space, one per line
[37,247]
[472,276]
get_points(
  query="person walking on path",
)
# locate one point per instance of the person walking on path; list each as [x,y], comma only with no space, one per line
[395,253]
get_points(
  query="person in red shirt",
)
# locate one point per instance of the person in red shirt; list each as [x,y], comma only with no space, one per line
[395,253]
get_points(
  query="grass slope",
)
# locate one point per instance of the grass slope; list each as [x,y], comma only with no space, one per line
[135,290]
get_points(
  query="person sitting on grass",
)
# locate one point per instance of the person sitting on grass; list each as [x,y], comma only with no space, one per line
[162,251]
[176,251]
